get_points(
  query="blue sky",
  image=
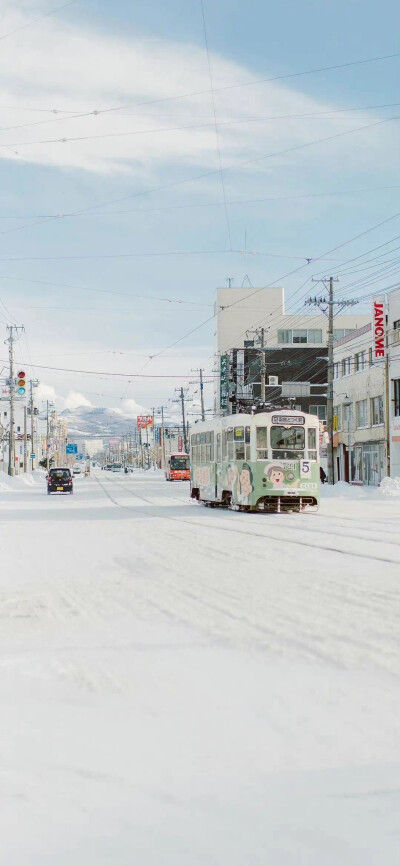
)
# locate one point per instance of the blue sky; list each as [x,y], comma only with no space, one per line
[86,286]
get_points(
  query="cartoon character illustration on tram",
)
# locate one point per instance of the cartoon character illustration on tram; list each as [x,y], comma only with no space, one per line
[277,476]
[245,485]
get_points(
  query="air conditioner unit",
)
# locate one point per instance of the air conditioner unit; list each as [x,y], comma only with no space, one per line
[273,380]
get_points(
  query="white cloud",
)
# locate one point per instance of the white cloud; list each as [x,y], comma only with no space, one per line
[45,392]
[75,400]
[131,407]
[69,68]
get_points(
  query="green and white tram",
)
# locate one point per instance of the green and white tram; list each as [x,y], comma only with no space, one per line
[266,462]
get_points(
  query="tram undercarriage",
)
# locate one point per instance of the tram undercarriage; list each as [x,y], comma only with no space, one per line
[264,505]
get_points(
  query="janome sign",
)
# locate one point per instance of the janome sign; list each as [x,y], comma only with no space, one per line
[378,325]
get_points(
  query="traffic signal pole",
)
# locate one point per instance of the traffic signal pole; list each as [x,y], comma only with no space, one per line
[11,435]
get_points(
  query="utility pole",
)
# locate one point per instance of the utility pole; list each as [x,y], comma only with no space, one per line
[25,442]
[181,400]
[326,305]
[49,405]
[31,408]
[200,372]
[13,331]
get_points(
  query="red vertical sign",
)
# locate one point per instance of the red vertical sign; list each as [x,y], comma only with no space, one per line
[180,446]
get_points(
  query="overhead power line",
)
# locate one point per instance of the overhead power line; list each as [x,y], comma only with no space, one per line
[36,20]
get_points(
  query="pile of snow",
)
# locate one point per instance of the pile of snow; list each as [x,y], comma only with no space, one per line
[390,487]
[348,491]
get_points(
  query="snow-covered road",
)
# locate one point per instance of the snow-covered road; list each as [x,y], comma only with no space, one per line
[183,686]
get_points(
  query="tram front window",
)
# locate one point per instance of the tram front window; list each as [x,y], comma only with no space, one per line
[287,443]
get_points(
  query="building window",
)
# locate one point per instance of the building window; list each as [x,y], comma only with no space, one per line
[362,413]
[370,356]
[319,411]
[396,383]
[314,335]
[360,362]
[396,325]
[336,370]
[285,336]
[338,333]
[299,335]
[377,411]
[346,366]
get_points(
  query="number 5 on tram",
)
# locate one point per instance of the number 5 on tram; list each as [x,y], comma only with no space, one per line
[266,462]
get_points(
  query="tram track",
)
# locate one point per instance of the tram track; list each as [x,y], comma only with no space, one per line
[236,530]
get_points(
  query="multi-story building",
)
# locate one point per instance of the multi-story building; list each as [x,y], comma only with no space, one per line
[256,338]
[393,323]
[360,440]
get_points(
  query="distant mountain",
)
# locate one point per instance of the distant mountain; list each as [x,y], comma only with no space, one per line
[97,423]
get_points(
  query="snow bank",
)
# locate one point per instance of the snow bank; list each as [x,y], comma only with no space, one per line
[8,483]
[343,490]
[390,487]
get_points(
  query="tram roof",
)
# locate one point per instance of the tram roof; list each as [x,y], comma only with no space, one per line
[249,418]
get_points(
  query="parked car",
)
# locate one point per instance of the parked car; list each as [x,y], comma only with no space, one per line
[77,469]
[59,480]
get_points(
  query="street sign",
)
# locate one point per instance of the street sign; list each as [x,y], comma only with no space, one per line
[180,443]
[71,449]
[224,384]
[33,456]
[144,421]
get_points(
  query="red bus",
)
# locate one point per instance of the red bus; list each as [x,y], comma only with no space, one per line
[177,467]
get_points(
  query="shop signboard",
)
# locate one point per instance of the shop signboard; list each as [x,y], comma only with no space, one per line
[379,328]
[224,383]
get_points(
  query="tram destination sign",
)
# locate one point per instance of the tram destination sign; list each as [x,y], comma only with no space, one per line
[288,419]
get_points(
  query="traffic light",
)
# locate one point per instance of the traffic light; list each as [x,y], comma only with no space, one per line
[21,383]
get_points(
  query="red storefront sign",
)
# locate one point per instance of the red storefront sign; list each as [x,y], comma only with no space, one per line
[144,421]
[378,325]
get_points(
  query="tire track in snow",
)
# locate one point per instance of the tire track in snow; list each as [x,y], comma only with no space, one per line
[267,536]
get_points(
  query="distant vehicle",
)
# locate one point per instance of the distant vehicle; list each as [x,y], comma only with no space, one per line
[117,467]
[177,467]
[77,469]
[108,467]
[59,480]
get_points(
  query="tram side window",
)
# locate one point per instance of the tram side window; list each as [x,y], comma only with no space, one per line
[202,448]
[209,450]
[224,446]
[247,443]
[287,442]
[312,444]
[219,448]
[239,443]
[262,443]
[231,444]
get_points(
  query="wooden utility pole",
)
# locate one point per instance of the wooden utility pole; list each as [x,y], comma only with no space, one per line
[327,305]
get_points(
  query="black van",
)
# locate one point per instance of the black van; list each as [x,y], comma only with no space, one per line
[59,480]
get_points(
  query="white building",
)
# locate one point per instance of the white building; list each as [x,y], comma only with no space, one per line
[393,311]
[239,311]
[359,410]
